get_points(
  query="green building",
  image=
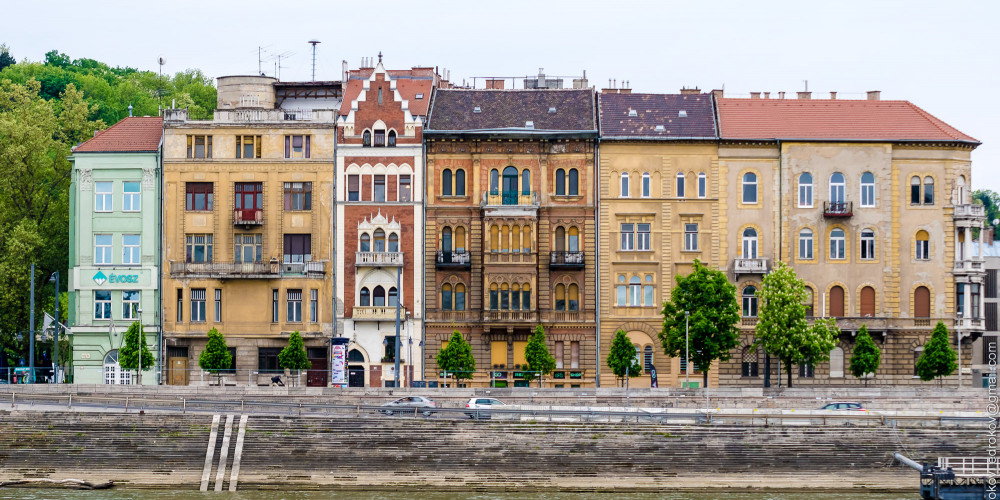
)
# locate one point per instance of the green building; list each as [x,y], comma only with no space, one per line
[114,252]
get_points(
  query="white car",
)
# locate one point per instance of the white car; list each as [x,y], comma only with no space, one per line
[481,407]
[410,404]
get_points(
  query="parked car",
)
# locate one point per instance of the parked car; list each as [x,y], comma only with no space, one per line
[425,405]
[480,407]
[844,406]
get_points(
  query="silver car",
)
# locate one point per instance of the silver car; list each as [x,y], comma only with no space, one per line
[481,407]
[410,404]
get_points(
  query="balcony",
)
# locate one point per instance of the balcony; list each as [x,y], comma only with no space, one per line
[838,208]
[453,259]
[510,198]
[302,268]
[378,259]
[586,316]
[523,316]
[968,323]
[749,266]
[448,316]
[973,265]
[378,313]
[245,270]
[248,217]
[976,212]
[566,260]
[509,258]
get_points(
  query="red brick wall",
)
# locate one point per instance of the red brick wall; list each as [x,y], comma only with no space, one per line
[404,214]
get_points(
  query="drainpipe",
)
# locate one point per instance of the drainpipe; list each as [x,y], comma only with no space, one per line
[160,344]
[597,259]
[423,210]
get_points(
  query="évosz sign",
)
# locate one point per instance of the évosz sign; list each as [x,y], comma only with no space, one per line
[100,278]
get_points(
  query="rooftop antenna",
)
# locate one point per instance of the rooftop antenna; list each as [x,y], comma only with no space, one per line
[159,92]
[314,43]
[259,72]
[807,85]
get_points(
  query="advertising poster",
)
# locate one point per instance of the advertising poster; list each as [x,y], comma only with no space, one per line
[338,377]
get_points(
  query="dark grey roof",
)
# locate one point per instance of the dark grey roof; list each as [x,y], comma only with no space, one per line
[652,110]
[508,111]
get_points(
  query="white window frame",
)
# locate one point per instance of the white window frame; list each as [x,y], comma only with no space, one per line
[702,185]
[642,239]
[752,183]
[867,190]
[131,253]
[104,312]
[645,184]
[627,237]
[867,250]
[623,189]
[130,308]
[293,312]
[749,243]
[923,250]
[102,253]
[131,200]
[198,305]
[113,372]
[806,244]
[218,305]
[680,185]
[838,245]
[838,190]
[691,237]
[104,201]
[805,191]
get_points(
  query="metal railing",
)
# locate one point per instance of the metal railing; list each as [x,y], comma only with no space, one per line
[459,259]
[566,259]
[970,466]
[838,208]
[749,266]
[510,199]
[248,216]
[378,259]
[272,269]
[513,316]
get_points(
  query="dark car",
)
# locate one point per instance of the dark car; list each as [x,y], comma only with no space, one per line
[844,406]
[425,405]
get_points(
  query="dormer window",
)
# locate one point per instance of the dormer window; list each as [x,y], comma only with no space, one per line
[682,114]
[659,128]
[420,96]
[477,109]
[632,113]
[529,124]
[552,110]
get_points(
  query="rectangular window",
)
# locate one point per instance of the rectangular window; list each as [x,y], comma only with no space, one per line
[102,304]
[130,249]
[559,354]
[199,146]
[353,187]
[248,146]
[198,248]
[974,300]
[960,299]
[267,359]
[130,304]
[574,347]
[313,305]
[628,237]
[405,188]
[218,305]
[294,310]
[690,237]
[197,305]
[102,249]
[103,198]
[924,250]
[180,305]
[198,196]
[867,195]
[379,193]
[297,146]
[131,197]
[805,246]
[274,306]
[622,294]
[702,186]
[642,242]
[248,247]
[805,195]
[249,196]
[647,295]
[298,248]
[298,196]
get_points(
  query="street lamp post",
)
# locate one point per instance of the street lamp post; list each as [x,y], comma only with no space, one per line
[687,350]
[399,273]
[31,330]
[139,310]
[55,329]
[409,340]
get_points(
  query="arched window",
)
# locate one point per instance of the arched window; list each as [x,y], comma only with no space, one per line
[915,190]
[379,241]
[494,238]
[647,291]
[806,244]
[459,297]
[560,297]
[366,298]
[749,187]
[355,356]
[526,296]
[867,244]
[573,299]
[750,302]
[505,238]
[113,373]
[867,189]
[867,302]
[494,297]
[749,243]
[379,138]
[805,190]
[515,297]
[645,185]
[749,366]
[574,182]
[366,138]
[647,358]
[526,181]
[917,352]
[393,242]
[460,239]
[459,182]
[837,301]
[928,190]
[446,182]
[837,363]
[509,187]
[680,184]
[634,291]
[393,297]
[809,301]
[560,239]
[838,187]
[923,246]
[379,297]
[446,297]
[446,239]
[526,239]
[392,139]
[922,302]
[702,185]
[838,244]
[494,181]
[624,185]
[515,238]
[560,182]
[366,243]
[573,240]
[505,296]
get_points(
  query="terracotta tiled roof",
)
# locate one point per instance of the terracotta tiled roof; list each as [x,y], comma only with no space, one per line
[657,110]
[827,119]
[409,83]
[565,110]
[132,134]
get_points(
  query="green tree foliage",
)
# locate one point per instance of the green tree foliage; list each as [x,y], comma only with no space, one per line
[5,58]
[134,350]
[293,356]
[991,201]
[938,359]
[781,325]
[710,299]
[866,356]
[537,354]
[456,358]
[216,356]
[622,358]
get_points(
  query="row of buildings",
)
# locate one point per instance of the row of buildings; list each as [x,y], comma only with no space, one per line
[320,207]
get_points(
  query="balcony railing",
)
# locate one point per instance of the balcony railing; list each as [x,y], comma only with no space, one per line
[974,265]
[509,258]
[510,316]
[299,268]
[838,208]
[448,316]
[969,323]
[749,266]
[245,270]
[378,259]
[586,316]
[378,313]
[510,199]
[453,259]
[970,211]
[248,217]
[571,260]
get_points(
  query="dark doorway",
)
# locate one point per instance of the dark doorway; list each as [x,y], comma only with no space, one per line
[836,301]
[317,375]
[510,186]
[356,376]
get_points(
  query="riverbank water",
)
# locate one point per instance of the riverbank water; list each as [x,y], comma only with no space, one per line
[133,494]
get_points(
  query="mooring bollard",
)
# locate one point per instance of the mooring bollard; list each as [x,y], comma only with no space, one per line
[184,405]
[12,400]
[126,404]
[70,401]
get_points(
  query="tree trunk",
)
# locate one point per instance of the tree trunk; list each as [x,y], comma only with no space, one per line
[788,369]
[704,378]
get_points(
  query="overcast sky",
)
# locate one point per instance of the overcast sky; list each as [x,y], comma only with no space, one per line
[942,55]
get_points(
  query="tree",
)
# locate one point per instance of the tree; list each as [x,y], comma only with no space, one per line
[5,58]
[866,356]
[622,358]
[938,358]
[781,325]
[216,356]
[293,356]
[710,299]
[134,350]
[537,354]
[456,358]
[990,200]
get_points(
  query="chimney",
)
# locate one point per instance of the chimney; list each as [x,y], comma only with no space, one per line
[718,93]
[767,95]
[755,95]
[804,95]
[625,91]
[833,96]
[494,83]
[874,95]
[609,91]
[781,95]
[691,91]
